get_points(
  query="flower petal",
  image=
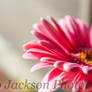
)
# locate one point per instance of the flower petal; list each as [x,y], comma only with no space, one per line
[86,33]
[40,53]
[41,65]
[48,59]
[33,44]
[71,67]
[54,49]
[78,84]
[88,82]
[54,73]
[51,82]
[67,79]
[66,42]
[30,56]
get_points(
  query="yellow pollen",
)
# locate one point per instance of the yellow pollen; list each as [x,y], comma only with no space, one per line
[86,57]
[83,55]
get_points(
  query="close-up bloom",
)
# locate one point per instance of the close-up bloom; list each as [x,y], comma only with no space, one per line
[66,46]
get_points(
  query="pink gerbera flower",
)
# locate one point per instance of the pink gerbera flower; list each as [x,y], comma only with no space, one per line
[66,46]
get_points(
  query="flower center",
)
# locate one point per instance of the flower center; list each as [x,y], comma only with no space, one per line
[86,57]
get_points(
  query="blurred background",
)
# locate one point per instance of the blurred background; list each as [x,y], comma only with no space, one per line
[16,20]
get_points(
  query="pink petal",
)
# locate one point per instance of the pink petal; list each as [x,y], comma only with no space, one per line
[41,65]
[48,59]
[75,30]
[85,31]
[67,79]
[59,64]
[40,36]
[44,31]
[54,73]
[43,37]
[51,30]
[68,32]
[71,67]
[72,25]
[52,82]
[64,39]
[54,49]
[88,82]
[33,44]
[30,56]
[51,86]
[40,53]
[40,28]
[87,70]
[78,84]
